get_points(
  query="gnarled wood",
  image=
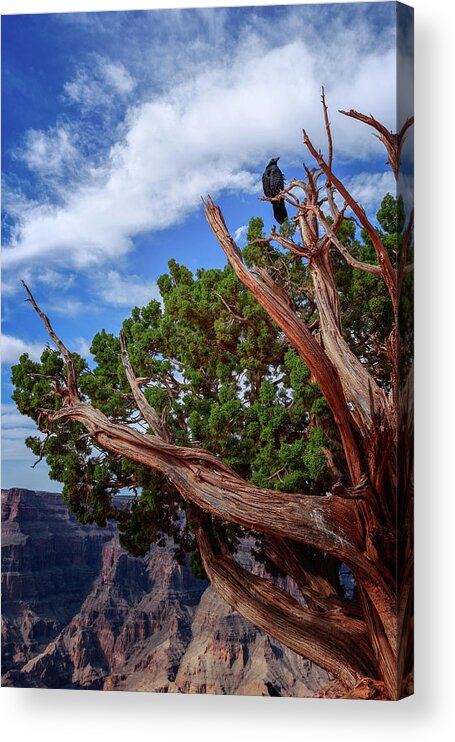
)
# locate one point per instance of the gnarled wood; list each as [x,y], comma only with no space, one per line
[299,336]
[365,643]
[392,142]
[331,640]
[149,414]
[387,271]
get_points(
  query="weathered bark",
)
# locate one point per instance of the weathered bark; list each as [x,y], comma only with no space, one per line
[148,413]
[356,381]
[392,142]
[379,610]
[320,588]
[365,643]
[330,639]
[373,411]
[268,295]
[323,522]
[388,272]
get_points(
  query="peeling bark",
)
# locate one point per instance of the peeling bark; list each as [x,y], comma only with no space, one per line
[366,522]
[328,639]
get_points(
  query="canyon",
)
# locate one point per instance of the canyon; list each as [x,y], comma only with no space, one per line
[79,612]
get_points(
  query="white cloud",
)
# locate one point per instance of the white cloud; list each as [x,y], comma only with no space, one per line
[14,347]
[240,233]
[12,418]
[117,77]
[208,134]
[82,346]
[49,153]
[15,429]
[126,291]
[10,286]
[14,449]
[68,307]
[49,277]
[99,84]
[370,188]
[17,433]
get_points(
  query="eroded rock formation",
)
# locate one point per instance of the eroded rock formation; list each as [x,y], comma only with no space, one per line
[79,612]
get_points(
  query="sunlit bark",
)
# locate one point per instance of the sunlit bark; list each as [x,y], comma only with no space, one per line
[365,523]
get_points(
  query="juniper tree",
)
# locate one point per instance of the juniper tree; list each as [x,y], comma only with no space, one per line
[266,401]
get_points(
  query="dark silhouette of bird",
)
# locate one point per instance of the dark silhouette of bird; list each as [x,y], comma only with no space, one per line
[273,183]
[271,689]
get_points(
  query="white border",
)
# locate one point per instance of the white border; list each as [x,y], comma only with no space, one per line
[45,716]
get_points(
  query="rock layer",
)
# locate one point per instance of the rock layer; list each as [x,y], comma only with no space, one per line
[79,612]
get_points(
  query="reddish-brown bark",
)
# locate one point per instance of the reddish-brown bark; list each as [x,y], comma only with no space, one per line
[366,524]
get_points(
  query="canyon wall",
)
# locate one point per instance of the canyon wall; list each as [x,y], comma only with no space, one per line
[80,612]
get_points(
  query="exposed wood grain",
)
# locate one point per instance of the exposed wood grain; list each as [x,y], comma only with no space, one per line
[366,521]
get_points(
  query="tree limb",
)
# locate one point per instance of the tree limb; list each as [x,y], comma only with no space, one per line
[392,142]
[318,592]
[329,134]
[269,296]
[72,390]
[149,414]
[387,271]
[237,317]
[331,640]
[367,267]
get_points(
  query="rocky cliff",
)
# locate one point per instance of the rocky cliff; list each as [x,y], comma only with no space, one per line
[79,612]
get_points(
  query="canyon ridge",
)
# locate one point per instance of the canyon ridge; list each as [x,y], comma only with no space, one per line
[79,612]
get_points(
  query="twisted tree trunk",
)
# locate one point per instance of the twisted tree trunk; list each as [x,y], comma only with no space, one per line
[365,524]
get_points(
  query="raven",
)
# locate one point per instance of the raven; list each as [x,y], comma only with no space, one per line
[271,689]
[273,183]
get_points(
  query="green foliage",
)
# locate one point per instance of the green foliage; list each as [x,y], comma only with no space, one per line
[365,304]
[196,565]
[225,378]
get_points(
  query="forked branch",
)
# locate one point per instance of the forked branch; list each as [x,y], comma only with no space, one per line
[325,523]
[149,414]
[330,232]
[388,273]
[392,142]
[338,643]
[270,297]
[72,393]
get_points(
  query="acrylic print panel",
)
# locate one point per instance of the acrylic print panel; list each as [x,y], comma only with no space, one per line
[215,395]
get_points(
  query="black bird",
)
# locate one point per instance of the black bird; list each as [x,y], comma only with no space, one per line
[273,183]
[271,689]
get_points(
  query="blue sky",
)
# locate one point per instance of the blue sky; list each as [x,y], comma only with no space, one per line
[114,124]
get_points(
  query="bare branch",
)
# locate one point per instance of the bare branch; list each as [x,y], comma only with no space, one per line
[269,295]
[387,271]
[392,142]
[72,391]
[316,588]
[367,267]
[329,134]
[362,490]
[298,250]
[149,414]
[41,450]
[242,320]
[356,523]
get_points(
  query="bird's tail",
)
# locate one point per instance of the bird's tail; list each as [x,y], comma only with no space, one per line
[279,211]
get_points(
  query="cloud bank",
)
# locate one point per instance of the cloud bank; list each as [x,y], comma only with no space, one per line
[14,347]
[210,133]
